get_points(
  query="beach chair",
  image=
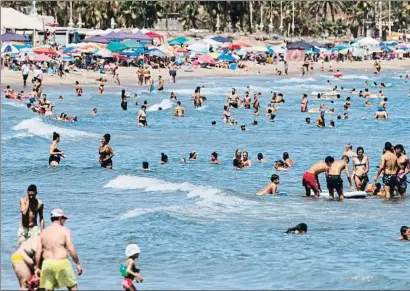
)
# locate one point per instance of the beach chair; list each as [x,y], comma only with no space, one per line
[233,66]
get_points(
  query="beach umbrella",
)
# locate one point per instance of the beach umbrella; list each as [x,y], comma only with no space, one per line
[69,50]
[212,42]
[390,43]
[103,53]
[97,39]
[231,46]
[157,53]
[367,41]
[241,52]
[220,38]
[116,46]
[41,58]
[133,44]
[205,59]
[199,47]
[402,46]
[180,40]
[9,48]
[67,58]
[152,34]
[181,50]
[26,49]
[138,36]
[257,49]
[278,49]
[226,57]
[9,36]
[45,51]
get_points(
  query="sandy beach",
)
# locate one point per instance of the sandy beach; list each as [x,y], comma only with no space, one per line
[128,76]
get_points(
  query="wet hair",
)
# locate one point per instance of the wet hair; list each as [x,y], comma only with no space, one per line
[332,123]
[329,159]
[346,157]
[215,155]
[225,107]
[54,219]
[159,108]
[307,119]
[385,99]
[55,135]
[300,227]
[348,99]
[400,147]
[269,111]
[388,146]
[305,95]
[192,154]
[274,177]
[145,102]
[94,109]
[145,165]
[359,149]
[107,137]
[197,89]
[272,117]
[285,156]
[260,156]
[143,107]
[243,127]
[32,188]
[339,117]
[164,158]
[8,87]
[254,122]
[213,122]
[75,118]
[77,83]
[338,96]
[178,102]
[403,230]
[236,163]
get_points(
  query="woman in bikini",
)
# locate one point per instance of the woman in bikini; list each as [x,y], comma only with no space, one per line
[360,169]
[106,153]
[142,116]
[54,152]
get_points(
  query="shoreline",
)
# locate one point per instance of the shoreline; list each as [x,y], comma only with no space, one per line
[128,74]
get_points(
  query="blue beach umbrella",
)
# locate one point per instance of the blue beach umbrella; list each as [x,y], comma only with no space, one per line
[225,57]
[157,53]
[220,38]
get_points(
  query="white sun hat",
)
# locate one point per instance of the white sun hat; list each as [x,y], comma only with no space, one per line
[132,249]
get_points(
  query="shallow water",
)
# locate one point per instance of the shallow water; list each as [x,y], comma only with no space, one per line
[200,226]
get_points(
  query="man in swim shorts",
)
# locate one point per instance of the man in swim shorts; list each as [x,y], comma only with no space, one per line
[30,208]
[160,84]
[55,244]
[334,181]
[389,168]
[404,169]
[310,179]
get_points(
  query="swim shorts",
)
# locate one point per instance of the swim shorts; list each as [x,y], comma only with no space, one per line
[334,182]
[24,233]
[389,180]
[16,257]
[234,105]
[402,183]
[127,283]
[309,181]
[57,274]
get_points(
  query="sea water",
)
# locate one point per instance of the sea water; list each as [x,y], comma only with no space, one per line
[200,226]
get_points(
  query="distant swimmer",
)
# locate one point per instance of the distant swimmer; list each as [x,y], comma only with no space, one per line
[145,166]
[105,151]
[173,96]
[301,228]
[247,101]
[233,99]
[383,103]
[288,161]
[214,158]
[311,177]
[197,98]
[307,120]
[334,180]
[55,153]
[349,151]
[78,89]
[160,84]
[226,114]
[101,88]
[404,169]
[360,169]
[320,121]
[381,113]
[164,158]
[404,233]
[124,99]
[193,156]
[179,110]
[142,116]
[389,168]
[261,159]
[30,208]
[272,187]
[332,123]
[94,111]
[347,104]
[245,159]
[280,165]
[367,103]
[304,103]
[129,270]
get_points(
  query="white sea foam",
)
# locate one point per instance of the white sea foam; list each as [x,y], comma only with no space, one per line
[354,77]
[296,80]
[165,104]
[35,126]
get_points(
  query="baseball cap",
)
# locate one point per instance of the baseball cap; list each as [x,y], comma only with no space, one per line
[57,213]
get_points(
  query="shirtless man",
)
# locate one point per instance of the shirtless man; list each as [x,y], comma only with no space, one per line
[214,158]
[320,121]
[233,99]
[334,181]
[179,110]
[381,113]
[404,169]
[247,101]
[160,84]
[349,151]
[388,165]
[271,188]
[55,245]
[30,207]
[310,179]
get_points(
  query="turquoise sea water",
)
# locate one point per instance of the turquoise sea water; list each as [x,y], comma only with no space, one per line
[200,226]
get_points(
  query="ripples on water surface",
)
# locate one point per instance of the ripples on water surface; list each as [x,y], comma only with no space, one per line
[200,226]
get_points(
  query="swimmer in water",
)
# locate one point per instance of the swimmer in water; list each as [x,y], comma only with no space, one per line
[132,252]
[254,122]
[179,111]
[94,112]
[288,161]
[347,104]
[367,103]
[78,89]
[381,113]
[304,103]
[243,127]
[214,158]
[61,98]
[173,96]
[307,120]
[360,169]
[233,99]
[272,187]
[404,233]
[182,160]
[310,178]
[334,180]
[164,158]
[105,151]
[160,84]
[145,166]
[142,116]
[261,159]
[124,99]
[245,159]
[54,152]
[280,165]
[320,121]
[226,114]
[301,228]
[403,164]
[101,88]
[332,123]
[192,156]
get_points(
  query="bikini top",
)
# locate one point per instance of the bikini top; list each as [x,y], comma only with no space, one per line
[360,163]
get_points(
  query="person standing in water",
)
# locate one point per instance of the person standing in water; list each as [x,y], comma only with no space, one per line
[404,169]
[78,89]
[124,98]
[30,208]
[334,181]
[142,116]
[106,153]
[55,245]
[54,152]
[179,111]
[360,169]
[388,166]
[349,151]
[304,103]
[129,270]
[311,177]
[160,84]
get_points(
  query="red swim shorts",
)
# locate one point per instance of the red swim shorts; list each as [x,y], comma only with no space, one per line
[309,181]
[127,283]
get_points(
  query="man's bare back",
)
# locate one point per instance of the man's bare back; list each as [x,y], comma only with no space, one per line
[318,168]
[54,242]
[389,163]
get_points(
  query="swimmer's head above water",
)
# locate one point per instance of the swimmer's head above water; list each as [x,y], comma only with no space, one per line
[301,228]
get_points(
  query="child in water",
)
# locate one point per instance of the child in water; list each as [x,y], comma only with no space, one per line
[129,270]
[301,228]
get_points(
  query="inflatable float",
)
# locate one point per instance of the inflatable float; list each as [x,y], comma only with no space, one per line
[348,195]
[329,94]
[338,75]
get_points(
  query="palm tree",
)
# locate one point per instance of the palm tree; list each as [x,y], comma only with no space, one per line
[326,8]
[189,14]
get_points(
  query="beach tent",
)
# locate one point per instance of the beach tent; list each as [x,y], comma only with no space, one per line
[13,19]
[9,36]
[180,40]
[138,36]
[97,39]
[115,35]
[116,46]
[318,44]
[9,48]
[226,57]
[220,38]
